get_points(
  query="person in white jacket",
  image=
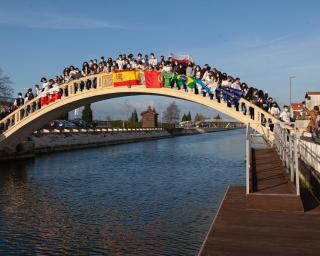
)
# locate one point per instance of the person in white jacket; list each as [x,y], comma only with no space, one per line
[236,84]
[274,110]
[285,115]
[153,60]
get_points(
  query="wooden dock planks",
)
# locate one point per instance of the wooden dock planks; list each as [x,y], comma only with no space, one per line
[269,221]
[241,231]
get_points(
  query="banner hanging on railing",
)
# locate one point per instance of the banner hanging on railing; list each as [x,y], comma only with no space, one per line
[106,80]
[229,94]
[153,79]
[125,77]
[50,96]
[203,87]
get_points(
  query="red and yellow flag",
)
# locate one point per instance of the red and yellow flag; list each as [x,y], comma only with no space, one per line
[153,79]
[126,77]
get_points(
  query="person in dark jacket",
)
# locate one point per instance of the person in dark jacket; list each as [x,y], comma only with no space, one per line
[19,101]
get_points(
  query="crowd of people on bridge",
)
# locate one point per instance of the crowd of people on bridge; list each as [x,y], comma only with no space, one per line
[212,82]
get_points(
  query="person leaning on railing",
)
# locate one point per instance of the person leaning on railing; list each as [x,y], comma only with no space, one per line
[19,101]
[28,97]
[313,125]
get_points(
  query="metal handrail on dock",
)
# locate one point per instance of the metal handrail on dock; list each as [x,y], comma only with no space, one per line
[286,144]
[248,158]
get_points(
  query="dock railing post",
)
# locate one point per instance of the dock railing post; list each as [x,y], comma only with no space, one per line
[296,165]
[291,157]
[248,159]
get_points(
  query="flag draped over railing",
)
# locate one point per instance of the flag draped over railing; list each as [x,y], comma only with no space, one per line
[229,94]
[157,79]
[153,79]
[50,96]
[126,77]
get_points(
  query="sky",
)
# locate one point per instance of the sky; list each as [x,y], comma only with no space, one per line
[262,42]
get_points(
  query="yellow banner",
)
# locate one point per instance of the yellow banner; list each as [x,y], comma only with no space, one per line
[131,77]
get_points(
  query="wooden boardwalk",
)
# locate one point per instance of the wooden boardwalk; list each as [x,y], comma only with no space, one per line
[270,221]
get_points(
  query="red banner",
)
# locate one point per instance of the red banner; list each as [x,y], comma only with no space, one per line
[153,79]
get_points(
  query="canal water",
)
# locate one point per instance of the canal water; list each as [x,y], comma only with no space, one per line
[148,198]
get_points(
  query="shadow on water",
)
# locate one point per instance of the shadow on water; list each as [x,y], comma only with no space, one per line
[155,197]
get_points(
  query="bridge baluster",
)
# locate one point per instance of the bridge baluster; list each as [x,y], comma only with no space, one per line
[76,87]
[99,83]
[70,89]
[256,115]
[64,91]
[94,83]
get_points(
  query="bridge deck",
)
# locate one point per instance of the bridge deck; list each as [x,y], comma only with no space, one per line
[269,221]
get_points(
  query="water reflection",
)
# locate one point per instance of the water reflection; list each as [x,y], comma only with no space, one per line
[155,197]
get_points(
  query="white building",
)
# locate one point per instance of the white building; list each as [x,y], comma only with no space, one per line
[312,99]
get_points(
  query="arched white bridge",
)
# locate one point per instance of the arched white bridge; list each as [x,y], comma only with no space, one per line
[20,126]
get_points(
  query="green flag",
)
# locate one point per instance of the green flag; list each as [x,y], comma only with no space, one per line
[167,77]
[191,82]
[178,80]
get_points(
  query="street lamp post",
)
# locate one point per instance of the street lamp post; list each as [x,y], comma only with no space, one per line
[290,83]
[125,111]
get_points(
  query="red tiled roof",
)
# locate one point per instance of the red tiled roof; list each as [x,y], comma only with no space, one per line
[313,93]
[296,106]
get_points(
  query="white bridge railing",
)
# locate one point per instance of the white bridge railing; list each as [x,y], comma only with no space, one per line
[291,149]
[103,81]
[309,153]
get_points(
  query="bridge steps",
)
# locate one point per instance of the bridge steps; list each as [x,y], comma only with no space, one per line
[271,187]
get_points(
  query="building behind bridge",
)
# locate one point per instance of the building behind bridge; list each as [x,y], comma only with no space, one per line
[312,99]
[149,118]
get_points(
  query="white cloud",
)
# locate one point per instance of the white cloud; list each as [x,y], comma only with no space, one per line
[52,20]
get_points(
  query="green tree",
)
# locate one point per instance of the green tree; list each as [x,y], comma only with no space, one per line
[217,117]
[189,118]
[87,113]
[172,114]
[133,120]
[199,118]
[134,117]
[184,118]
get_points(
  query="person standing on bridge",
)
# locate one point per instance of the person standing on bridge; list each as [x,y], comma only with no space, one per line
[153,60]
[236,84]
[19,101]
[190,70]
[274,110]
[37,90]
[317,127]
[313,119]
[44,83]
[285,115]
[120,62]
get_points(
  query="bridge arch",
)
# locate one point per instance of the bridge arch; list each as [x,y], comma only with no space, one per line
[72,99]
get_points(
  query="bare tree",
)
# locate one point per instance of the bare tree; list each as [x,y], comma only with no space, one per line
[172,114]
[6,90]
